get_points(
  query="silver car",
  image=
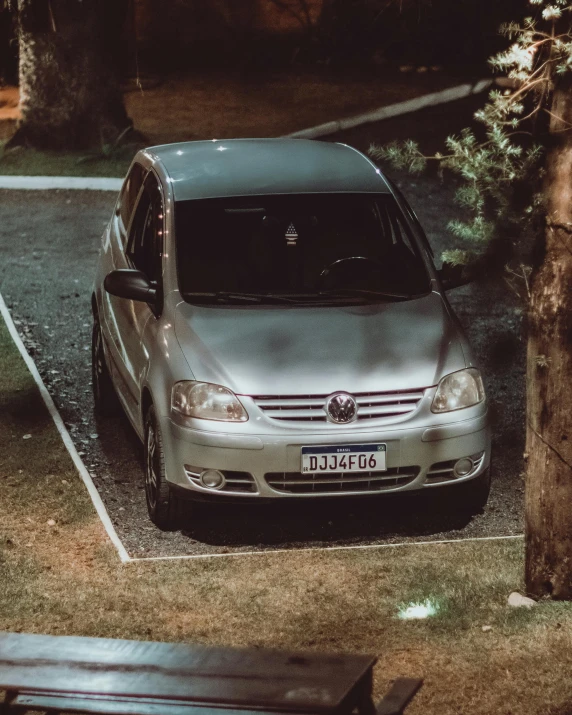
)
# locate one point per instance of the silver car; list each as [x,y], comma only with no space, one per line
[269,317]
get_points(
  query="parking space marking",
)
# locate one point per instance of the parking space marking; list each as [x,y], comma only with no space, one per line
[389,111]
[45,183]
[65,435]
[104,516]
[326,548]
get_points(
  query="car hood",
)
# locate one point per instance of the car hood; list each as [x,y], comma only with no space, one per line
[283,350]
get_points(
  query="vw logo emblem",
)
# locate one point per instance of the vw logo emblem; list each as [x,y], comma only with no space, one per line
[341,408]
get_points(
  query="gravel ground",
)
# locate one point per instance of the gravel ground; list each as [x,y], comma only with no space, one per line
[49,243]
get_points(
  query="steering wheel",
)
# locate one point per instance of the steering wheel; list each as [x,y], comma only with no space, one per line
[334,266]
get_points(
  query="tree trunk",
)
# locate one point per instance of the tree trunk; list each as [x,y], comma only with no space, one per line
[549,375]
[70,96]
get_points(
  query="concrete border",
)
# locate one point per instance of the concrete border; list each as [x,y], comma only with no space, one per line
[394,110]
[44,183]
[104,516]
[267,552]
[65,435]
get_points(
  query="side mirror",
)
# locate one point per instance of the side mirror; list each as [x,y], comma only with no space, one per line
[453,276]
[131,284]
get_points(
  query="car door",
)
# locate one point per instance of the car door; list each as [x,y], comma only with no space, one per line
[143,251]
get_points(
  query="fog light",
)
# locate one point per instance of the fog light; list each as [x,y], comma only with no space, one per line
[463,467]
[212,479]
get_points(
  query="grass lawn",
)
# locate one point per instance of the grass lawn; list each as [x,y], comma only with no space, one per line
[65,578]
[30,162]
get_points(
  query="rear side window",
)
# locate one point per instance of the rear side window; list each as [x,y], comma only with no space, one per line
[129,193]
[145,247]
[412,216]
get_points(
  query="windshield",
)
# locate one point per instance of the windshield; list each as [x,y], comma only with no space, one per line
[312,248]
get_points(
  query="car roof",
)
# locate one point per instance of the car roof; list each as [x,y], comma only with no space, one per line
[250,167]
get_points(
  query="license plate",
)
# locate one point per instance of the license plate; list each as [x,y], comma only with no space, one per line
[344,458]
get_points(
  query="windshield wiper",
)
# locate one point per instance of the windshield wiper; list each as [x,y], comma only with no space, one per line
[247,297]
[359,292]
[303,298]
[226,295]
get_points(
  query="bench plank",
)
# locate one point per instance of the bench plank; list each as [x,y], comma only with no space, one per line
[103,705]
[399,696]
[250,678]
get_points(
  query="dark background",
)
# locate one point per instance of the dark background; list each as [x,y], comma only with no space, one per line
[162,36]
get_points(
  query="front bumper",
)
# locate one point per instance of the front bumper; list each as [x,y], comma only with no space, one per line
[417,458]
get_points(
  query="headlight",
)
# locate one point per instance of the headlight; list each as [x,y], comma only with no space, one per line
[458,390]
[207,402]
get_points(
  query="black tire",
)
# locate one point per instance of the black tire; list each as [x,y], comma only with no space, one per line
[105,399]
[162,503]
[471,497]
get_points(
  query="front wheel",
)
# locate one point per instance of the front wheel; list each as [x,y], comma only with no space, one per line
[104,398]
[162,504]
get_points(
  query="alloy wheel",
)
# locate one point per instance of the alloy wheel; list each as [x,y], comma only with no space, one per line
[151,467]
[98,364]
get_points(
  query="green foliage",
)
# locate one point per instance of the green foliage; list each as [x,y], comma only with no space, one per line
[500,168]
[477,230]
[455,257]
[402,155]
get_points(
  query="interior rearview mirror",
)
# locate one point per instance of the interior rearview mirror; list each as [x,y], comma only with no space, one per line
[131,284]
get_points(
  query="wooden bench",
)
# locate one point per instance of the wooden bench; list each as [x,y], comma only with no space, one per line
[119,677]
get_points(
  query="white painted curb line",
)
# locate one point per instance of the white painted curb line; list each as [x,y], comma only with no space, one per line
[108,184]
[44,183]
[104,516]
[65,435]
[263,552]
[394,110]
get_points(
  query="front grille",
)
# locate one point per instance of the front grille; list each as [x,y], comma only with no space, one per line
[298,483]
[311,408]
[235,481]
[443,471]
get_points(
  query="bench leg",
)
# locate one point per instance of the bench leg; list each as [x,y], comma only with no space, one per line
[5,705]
[365,704]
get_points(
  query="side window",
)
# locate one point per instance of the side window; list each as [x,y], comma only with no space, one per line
[403,258]
[145,244]
[395,226]
[129,193]
[412,216]
[400,232]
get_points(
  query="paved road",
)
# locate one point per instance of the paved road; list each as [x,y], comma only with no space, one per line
[49,243]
